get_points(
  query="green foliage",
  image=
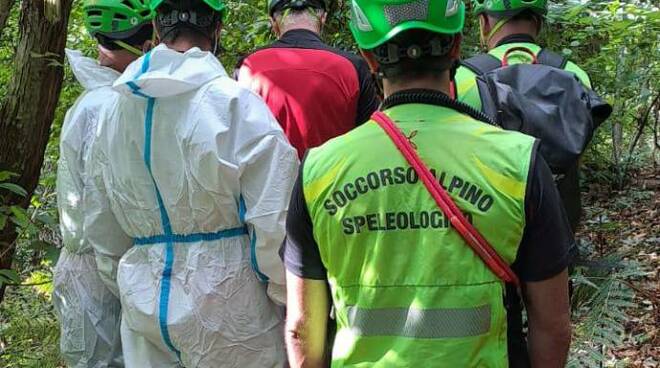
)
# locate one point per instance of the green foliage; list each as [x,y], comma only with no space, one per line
[8,40]
[618,44]
[601,301]
[29,333]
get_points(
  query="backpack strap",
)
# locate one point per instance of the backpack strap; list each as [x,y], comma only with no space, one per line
[482,64]
[469,233]
[550,58]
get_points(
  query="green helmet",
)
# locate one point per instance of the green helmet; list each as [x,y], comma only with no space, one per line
[217,5]
[374,22]
[116,18]
[509,7]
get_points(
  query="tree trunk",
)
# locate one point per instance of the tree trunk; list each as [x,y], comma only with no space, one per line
[27,111]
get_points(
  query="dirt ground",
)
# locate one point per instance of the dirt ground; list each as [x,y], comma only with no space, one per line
[628,222]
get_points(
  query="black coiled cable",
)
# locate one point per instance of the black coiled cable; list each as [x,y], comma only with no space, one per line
[432,97]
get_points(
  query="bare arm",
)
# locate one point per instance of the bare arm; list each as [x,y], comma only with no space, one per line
[548,311]
[306,322]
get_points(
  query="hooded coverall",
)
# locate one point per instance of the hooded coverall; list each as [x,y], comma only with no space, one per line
[88,312]
[187,203]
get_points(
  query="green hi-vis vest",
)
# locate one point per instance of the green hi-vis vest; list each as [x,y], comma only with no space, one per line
[408,291]
[466,85]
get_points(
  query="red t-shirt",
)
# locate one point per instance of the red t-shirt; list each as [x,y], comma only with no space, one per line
[315,92]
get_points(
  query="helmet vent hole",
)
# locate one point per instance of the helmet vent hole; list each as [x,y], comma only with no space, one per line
[145,13]
[95,24]
[397,14]
[127,4]
[94,13]
[120,16]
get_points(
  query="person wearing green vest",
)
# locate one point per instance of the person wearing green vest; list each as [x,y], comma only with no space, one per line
[509,24]
[365,236]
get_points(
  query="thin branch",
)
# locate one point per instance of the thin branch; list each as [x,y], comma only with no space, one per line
[30,284]
[656,139]
[643,120]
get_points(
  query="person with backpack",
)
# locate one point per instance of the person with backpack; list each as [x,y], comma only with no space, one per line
[418,225]
[188,192]
[519,98]
[88,311]
[315,91]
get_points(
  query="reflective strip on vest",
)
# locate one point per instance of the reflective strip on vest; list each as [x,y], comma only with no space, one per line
[419,323]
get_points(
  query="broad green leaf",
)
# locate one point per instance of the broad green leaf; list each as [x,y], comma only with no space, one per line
[39,245]
[46,219]
[16,189]
[4,175]
[9,276]
[52,254]
[19,217]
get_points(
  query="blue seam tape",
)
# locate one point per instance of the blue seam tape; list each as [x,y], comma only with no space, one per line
[253,242]
[136,89]
[191,238]
[165,287]
[146,62]
[165,283]
[241,210]
[253,254]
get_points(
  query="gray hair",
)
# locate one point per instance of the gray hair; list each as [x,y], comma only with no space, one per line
[309,17]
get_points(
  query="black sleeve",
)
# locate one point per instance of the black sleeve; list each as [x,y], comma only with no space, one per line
[368,101]
[547,245]
[301,253]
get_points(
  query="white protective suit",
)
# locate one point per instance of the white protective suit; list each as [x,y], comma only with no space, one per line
[89,313]
[189,187]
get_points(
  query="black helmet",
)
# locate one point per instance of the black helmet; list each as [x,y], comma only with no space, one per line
[182,12]
[279,5]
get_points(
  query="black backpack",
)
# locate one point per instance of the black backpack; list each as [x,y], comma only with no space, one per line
[546,102]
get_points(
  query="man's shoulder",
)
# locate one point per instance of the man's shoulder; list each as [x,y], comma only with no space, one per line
[579,72]
[225,101]
[347,144]
[95,98]
[356,60]
[89,103]
[226,88]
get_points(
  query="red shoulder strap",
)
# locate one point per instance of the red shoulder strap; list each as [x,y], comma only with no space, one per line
[472,237]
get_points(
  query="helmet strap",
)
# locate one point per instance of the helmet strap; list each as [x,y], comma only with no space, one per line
[214,40]
[132,49]
[285,14]
[500,23]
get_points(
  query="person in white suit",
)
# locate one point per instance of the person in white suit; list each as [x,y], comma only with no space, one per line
[89,313]
[189,182]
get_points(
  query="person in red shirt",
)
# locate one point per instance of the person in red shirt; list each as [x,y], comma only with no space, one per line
[315,91]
